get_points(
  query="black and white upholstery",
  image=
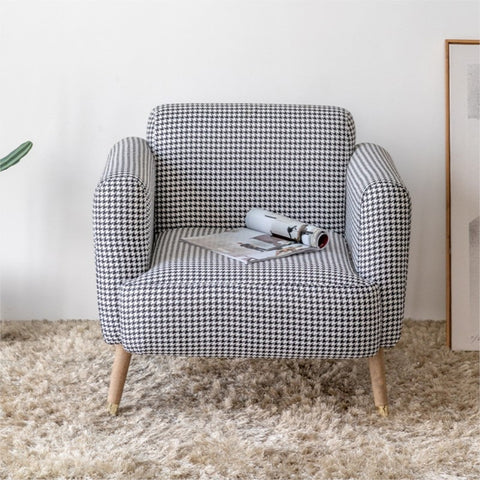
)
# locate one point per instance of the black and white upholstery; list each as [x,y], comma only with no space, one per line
[200,169]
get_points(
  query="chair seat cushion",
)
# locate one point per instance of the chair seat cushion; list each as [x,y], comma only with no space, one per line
[196,302]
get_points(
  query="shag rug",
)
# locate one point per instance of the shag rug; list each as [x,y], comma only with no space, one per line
[187,418]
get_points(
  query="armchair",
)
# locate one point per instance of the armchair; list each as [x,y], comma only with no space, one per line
[200,169]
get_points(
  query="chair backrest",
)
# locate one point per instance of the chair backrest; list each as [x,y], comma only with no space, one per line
[216,161]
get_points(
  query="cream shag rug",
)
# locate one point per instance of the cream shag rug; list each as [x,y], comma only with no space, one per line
[233,419]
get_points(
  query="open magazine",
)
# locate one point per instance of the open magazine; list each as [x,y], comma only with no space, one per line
[266,236]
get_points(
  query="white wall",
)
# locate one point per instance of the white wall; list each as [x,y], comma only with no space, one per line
[76,76]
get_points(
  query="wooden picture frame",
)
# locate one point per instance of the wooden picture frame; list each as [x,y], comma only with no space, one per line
[462,192]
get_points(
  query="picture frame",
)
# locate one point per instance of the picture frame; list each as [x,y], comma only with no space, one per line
[462,63]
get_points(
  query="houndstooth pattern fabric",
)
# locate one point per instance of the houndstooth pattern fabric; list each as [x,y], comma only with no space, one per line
[123,216]
[216,161]
[204,167]
[195,302]
[378,231]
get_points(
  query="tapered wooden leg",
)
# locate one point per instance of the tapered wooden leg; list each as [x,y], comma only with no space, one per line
[379,382]
[117,378]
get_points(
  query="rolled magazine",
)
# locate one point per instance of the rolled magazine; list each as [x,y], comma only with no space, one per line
[280,226]
[265,237]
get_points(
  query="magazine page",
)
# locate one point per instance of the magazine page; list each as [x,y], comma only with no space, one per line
[248,246]
[274,224]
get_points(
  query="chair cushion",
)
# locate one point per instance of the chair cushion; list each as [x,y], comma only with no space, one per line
[196,302]
[215,161]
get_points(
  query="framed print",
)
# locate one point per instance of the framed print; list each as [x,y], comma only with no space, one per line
[463,201]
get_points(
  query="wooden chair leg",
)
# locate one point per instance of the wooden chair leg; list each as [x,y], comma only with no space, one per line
[117,378]
[379,383]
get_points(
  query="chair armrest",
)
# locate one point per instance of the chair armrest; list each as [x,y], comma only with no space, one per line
[377,229]
[123,225]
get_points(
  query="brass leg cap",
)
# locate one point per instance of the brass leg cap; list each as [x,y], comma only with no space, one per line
[382,410]
[112,409]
